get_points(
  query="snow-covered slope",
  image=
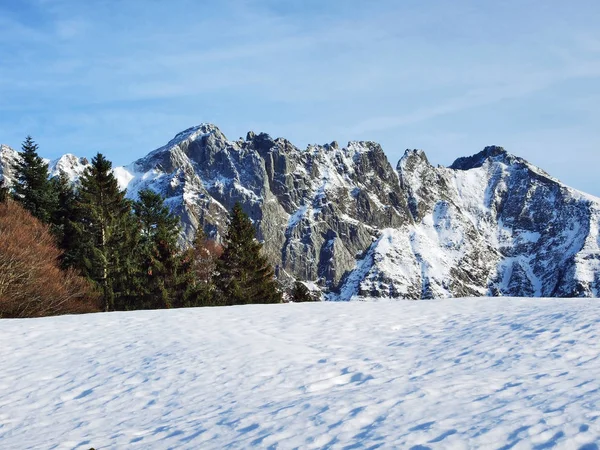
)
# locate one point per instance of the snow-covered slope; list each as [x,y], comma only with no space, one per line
[545,233]
[8,161]
[449,374]
[491,224]
[345,219]
[68,165]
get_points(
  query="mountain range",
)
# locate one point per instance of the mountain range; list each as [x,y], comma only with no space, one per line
[348,223]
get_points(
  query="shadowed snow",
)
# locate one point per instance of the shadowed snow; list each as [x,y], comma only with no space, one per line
[465,373]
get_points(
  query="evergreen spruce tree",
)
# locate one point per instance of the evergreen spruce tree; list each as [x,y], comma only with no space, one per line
[106,234]
[188,292]
[125,254]
[157,251]
[64,218]
[243,274]
[32,187]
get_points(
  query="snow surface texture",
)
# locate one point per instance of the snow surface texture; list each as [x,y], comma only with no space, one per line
[443,374]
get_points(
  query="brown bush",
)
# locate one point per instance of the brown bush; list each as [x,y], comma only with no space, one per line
[31,282]
[205,254]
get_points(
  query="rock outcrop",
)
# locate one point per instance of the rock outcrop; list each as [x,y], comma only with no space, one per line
[8,161]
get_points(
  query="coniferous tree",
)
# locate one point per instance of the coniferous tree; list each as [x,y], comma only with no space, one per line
[64,218]
[157,251]
[243,274]
[106,233]
[32,187]
[186,292]
[126,260]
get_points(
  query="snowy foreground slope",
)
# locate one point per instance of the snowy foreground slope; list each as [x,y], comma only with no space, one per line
[467,373]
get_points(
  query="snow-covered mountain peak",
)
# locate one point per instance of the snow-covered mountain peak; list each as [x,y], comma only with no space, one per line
[8,162]
[362,147]
[5,148]
[7,153]
[192,133]
[182,139]
[69,165]
[412,159]
[491,152]
[497,158]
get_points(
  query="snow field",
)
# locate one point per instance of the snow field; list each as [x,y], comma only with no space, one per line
[445,374]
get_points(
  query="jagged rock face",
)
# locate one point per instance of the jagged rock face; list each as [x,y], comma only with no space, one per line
[336,200]
[490,224]
[542,229]
[8,162]
[440,254]
[315,210]
[68,165]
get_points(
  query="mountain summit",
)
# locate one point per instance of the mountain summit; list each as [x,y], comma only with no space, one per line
[344,218]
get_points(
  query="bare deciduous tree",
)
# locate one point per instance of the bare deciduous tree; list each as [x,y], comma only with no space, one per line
[31,282]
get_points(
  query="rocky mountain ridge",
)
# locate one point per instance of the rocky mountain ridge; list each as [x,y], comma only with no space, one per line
[345,219]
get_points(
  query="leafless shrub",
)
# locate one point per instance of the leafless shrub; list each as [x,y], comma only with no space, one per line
[31,282]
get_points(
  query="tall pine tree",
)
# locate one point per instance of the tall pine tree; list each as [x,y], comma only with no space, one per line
[106,233]
[157,252]
[64,218]
[243,274]
[32,187]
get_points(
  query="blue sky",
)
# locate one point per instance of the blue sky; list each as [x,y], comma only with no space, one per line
[450,77]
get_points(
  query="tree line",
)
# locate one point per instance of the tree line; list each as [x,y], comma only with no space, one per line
[123,253]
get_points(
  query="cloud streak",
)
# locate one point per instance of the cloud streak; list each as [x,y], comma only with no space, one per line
[524,84]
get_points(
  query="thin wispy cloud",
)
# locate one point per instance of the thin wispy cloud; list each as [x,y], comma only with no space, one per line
[524,84]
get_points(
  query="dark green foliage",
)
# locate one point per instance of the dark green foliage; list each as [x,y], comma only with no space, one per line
[243,274]
[157,252]
[300,293]
[188,290]
[156,220]
[124,253]
[64,217]
[106,234]
[32,188]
